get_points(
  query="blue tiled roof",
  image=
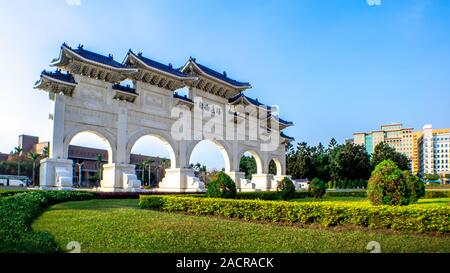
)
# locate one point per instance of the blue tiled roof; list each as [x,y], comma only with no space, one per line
[106,60]
[257,103]
[58,75]
[220,76]
[286,137]
[185,98]
[127,88]
[159,66]
[284,121]
[250,100]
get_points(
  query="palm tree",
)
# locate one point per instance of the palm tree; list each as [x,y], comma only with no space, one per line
[45,151]
[33,156]
[18,150]
[99,163]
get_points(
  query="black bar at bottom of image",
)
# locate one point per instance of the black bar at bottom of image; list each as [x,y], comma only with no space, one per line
[222,262]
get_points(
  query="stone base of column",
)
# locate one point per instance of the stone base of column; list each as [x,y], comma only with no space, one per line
[181,180]
[56,174]
[276,179]
[242,184]
[119,178]
[263,182]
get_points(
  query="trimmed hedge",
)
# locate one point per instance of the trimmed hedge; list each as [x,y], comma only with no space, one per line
[323,213]
[360,194]
[272,195]
[437,194]
[17,213]
[5,193]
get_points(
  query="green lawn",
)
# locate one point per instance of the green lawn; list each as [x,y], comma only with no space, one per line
[363,200]
[120,226]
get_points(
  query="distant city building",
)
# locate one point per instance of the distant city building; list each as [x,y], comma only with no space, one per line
[393,134]
[428,149]
[87,158]
[433,151]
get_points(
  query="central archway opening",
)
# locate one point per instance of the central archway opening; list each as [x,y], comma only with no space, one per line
[151,155]
[89,151]
[207,158]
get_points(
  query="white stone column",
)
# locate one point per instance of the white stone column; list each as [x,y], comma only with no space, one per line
[58,115]
[122,136]
[181,178]
[56,172]
[118,174]
[263,182]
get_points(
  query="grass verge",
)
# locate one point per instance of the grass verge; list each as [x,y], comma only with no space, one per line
[120,226]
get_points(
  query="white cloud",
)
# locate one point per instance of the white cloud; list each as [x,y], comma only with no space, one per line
[73,2]
[374,2]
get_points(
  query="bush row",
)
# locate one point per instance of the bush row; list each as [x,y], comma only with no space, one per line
[347,184]
[325,214]
[17,213]
[437,194]
[272,195]
[4,193]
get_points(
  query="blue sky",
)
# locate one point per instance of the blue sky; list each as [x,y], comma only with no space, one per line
[333,67]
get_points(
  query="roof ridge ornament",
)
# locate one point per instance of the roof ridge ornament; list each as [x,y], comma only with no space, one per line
[110,56]
[225,73]
[80,46]
[139,54]
[170,65]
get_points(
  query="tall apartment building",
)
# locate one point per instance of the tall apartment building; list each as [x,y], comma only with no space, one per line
[393,134]
[434,151]
[428,149]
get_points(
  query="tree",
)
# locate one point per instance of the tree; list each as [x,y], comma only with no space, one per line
[248,166]
[333,144]
[317,188]
[304,166]
[321,163]
[349,162]
[99,165]
[272,167]
[17,151]
[389,185]
[221,186]
[33,156]
[45,152]
[285,189]
[384,151]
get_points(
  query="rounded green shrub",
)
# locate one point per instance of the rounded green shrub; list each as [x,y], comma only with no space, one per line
[389,185]
[285,189]
[317,188]
[221,186]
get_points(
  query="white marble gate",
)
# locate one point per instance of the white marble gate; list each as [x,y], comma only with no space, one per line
[87,96]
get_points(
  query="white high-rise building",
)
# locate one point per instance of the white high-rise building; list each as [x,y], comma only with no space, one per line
[435,151]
